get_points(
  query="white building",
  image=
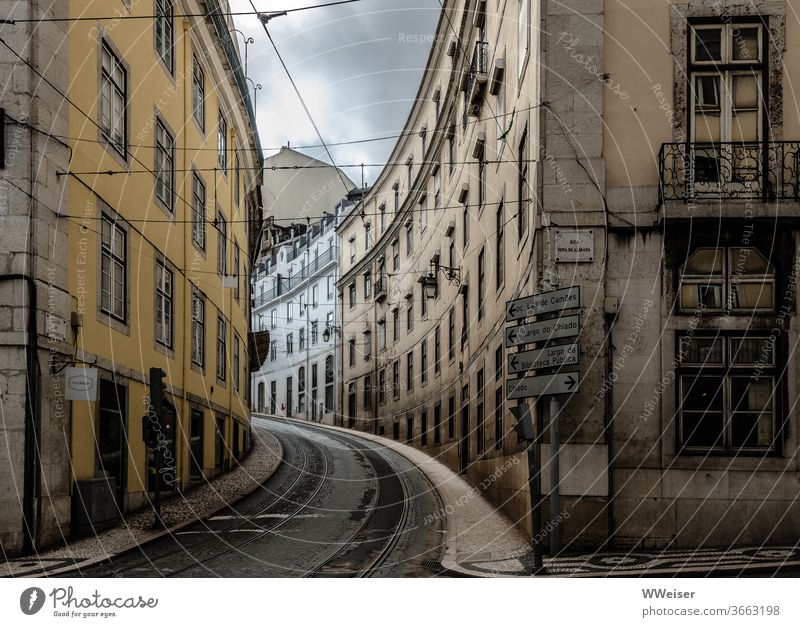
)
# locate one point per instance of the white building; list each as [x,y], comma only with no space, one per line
[294,298]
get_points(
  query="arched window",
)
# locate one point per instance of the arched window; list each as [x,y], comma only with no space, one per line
[730,279]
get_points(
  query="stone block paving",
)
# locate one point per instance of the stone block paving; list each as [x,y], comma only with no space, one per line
[178,511]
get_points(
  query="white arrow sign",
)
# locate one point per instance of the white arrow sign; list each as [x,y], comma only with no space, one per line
[550,357]
[545,302]
[567,326]
[561,383]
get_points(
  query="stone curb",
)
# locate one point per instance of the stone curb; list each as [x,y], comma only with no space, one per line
[160,534]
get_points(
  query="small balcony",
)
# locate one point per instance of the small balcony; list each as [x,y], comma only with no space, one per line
[476,78]
[763,171]
[381,289]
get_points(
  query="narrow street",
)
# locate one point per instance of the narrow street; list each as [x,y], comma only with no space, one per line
[338,506]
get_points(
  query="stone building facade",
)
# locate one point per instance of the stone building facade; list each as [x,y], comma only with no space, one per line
[661,137]
[135,234]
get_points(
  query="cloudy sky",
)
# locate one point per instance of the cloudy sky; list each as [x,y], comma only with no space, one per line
[357,66]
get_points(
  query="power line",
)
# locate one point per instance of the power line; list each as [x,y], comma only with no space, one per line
[121,17]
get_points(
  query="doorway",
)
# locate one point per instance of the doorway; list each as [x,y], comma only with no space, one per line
[112,452]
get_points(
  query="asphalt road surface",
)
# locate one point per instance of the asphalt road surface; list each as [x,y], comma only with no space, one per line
[338,506]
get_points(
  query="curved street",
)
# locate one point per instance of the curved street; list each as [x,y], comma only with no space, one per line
[338,506]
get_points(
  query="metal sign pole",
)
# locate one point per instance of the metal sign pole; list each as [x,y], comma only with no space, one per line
[555,496]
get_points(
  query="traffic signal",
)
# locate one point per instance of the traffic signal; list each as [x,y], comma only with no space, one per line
[524,424]
[157,389]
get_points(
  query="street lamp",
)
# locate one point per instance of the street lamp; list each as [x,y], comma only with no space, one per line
[430,283]
[247,41]
[326,334]
[266,17]
[256,89]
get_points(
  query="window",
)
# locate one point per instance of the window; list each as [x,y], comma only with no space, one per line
[199,94]
[395,325]
[302,333]
[236,269]
[314,375]
[222,245]
[367,392]
[451,418]
[289,312]
[500,253]
[367,284]
[410,370]
[352,250]
[198,212]
[437,424]
[164,300]
[382,212]
[500,113]
[382,386]
[395,255]
[423,427]
[522,184]
[289,397]
[114,271]
[315,295]
[302,305]
[437,349]
[352,295]
[423,135]
[480,434]
[465,224]
[165,166]
[498,419]
[289,344]
[396,188]
[409,239]
[423,212]
[410,172]
[725,279]
[314,333]
[273,350]
[222,142]
[113,99]
[726,71]
[273,319]
[351,351]
[451,334]
[198,328]
[423,361]
[451,148]
[396,380]
[481,180]
[329,285]
[437,187]
[329,322]
[329,377]
[301,389]
[423,302]
[481,282]
[498,363]
[273,397]
[164,32]
[728,393]
[523,36]
[381,335]
[222,333]
[236,362]
[465,319]
[409,427]
[236,178]
[410,316]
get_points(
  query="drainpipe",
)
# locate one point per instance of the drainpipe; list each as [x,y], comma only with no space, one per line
[187,296]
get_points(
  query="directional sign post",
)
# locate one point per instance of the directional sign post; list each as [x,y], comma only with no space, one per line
[546,385]
[525,431]
[544,302]
[549,357]
[566,326]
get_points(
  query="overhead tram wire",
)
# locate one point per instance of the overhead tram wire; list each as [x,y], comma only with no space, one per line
[153,17]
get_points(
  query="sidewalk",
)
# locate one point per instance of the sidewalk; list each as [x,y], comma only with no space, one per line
[178,511]
[482,542]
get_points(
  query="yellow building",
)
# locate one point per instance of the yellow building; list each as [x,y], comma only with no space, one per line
[163,179]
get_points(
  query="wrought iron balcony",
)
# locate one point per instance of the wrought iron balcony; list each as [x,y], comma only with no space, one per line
[476,77]
[381,288]
[753,170]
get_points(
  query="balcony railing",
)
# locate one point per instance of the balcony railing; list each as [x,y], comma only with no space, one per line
[753,170]
[477,76]
[380,288]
